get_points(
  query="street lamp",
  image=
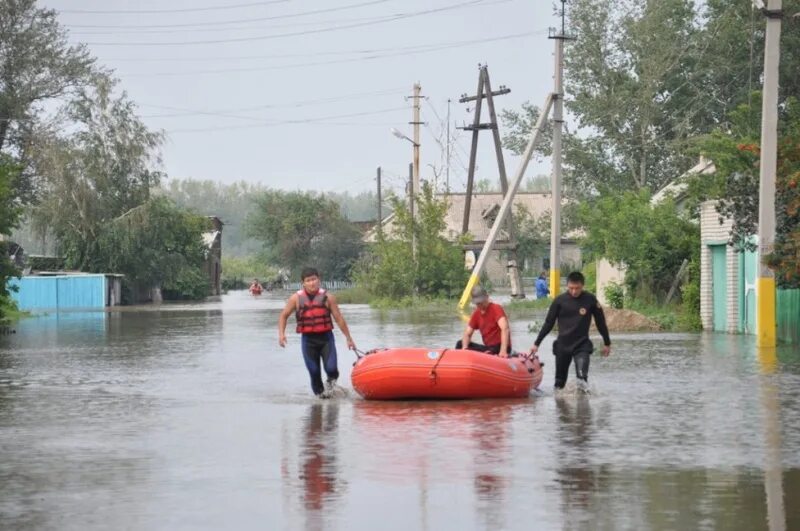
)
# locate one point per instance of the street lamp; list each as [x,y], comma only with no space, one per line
[398,134]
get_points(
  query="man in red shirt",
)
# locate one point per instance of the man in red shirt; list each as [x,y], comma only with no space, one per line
[491,320]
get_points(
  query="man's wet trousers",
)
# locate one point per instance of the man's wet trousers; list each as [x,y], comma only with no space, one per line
[581,356]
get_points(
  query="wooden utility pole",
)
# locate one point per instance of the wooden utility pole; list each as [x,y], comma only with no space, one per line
[485,91]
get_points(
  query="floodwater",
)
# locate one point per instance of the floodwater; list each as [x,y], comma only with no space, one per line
[191,417]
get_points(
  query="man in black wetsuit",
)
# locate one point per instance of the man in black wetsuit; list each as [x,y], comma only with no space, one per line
[574,310]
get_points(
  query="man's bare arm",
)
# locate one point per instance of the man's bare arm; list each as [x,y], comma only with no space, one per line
[337,315]
[291,305]
[505,336]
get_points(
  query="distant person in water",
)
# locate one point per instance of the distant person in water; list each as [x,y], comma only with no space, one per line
[491,320]
[315,310]
[573,311]
[255,287]
[542,291]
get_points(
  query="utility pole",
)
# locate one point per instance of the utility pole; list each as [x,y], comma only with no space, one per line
[380,203]
[485,91]
[558,121]
[447,165]
[505,208]
[766,329]
[416,123]
[411,199]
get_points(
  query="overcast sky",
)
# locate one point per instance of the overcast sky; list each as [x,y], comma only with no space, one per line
[301,94]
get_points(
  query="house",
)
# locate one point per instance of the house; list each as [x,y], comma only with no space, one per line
[728,283]
[483,211]
[213,264]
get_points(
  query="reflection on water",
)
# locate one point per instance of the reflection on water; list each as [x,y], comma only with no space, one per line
[190,416]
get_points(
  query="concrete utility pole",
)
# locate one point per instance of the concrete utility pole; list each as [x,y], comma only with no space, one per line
[558,121]
[411,199]
[766,329]
[416,123]
[380,203]
[447,165]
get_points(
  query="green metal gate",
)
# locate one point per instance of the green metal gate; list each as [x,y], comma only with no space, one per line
[719,287]
[748,269]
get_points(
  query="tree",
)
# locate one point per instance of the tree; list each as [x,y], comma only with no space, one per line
[232,203]
[155,244]
[37,66]
[96,172]
[304,228]
[9,215]
[653,251]
[644,78]
[533,234]
[390,270]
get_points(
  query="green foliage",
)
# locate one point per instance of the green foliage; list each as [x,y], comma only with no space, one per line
[305,229]
[37,66]
[230,202]
[155,244]
[355,295]
[390,270]
[615,295]
[590,274]
[644,78]
[239,272]
[9,215]
[187,283]
[690,295]
[533,235]
[652,241]
[97,171]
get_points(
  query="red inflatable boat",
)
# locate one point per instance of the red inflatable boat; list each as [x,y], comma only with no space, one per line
[444,373]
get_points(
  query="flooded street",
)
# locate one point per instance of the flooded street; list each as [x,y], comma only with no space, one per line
[192,417]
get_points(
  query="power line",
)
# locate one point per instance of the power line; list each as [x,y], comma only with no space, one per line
[399,52]
[290,122]
[163,11]
[141,31]
[411,48]
[224,112]
[237,21]
[307,32]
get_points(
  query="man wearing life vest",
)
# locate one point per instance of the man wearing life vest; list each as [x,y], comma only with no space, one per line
[491,320]
[315,310]
[255,287]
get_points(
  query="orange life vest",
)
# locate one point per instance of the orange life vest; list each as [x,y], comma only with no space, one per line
[313,315]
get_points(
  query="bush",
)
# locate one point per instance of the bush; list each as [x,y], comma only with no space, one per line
[615,295]
[389,269]
[190,283]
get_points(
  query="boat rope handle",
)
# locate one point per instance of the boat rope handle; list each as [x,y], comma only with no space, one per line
[432,374]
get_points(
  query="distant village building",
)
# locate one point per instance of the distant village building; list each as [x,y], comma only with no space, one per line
[483,211]
[213,264]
